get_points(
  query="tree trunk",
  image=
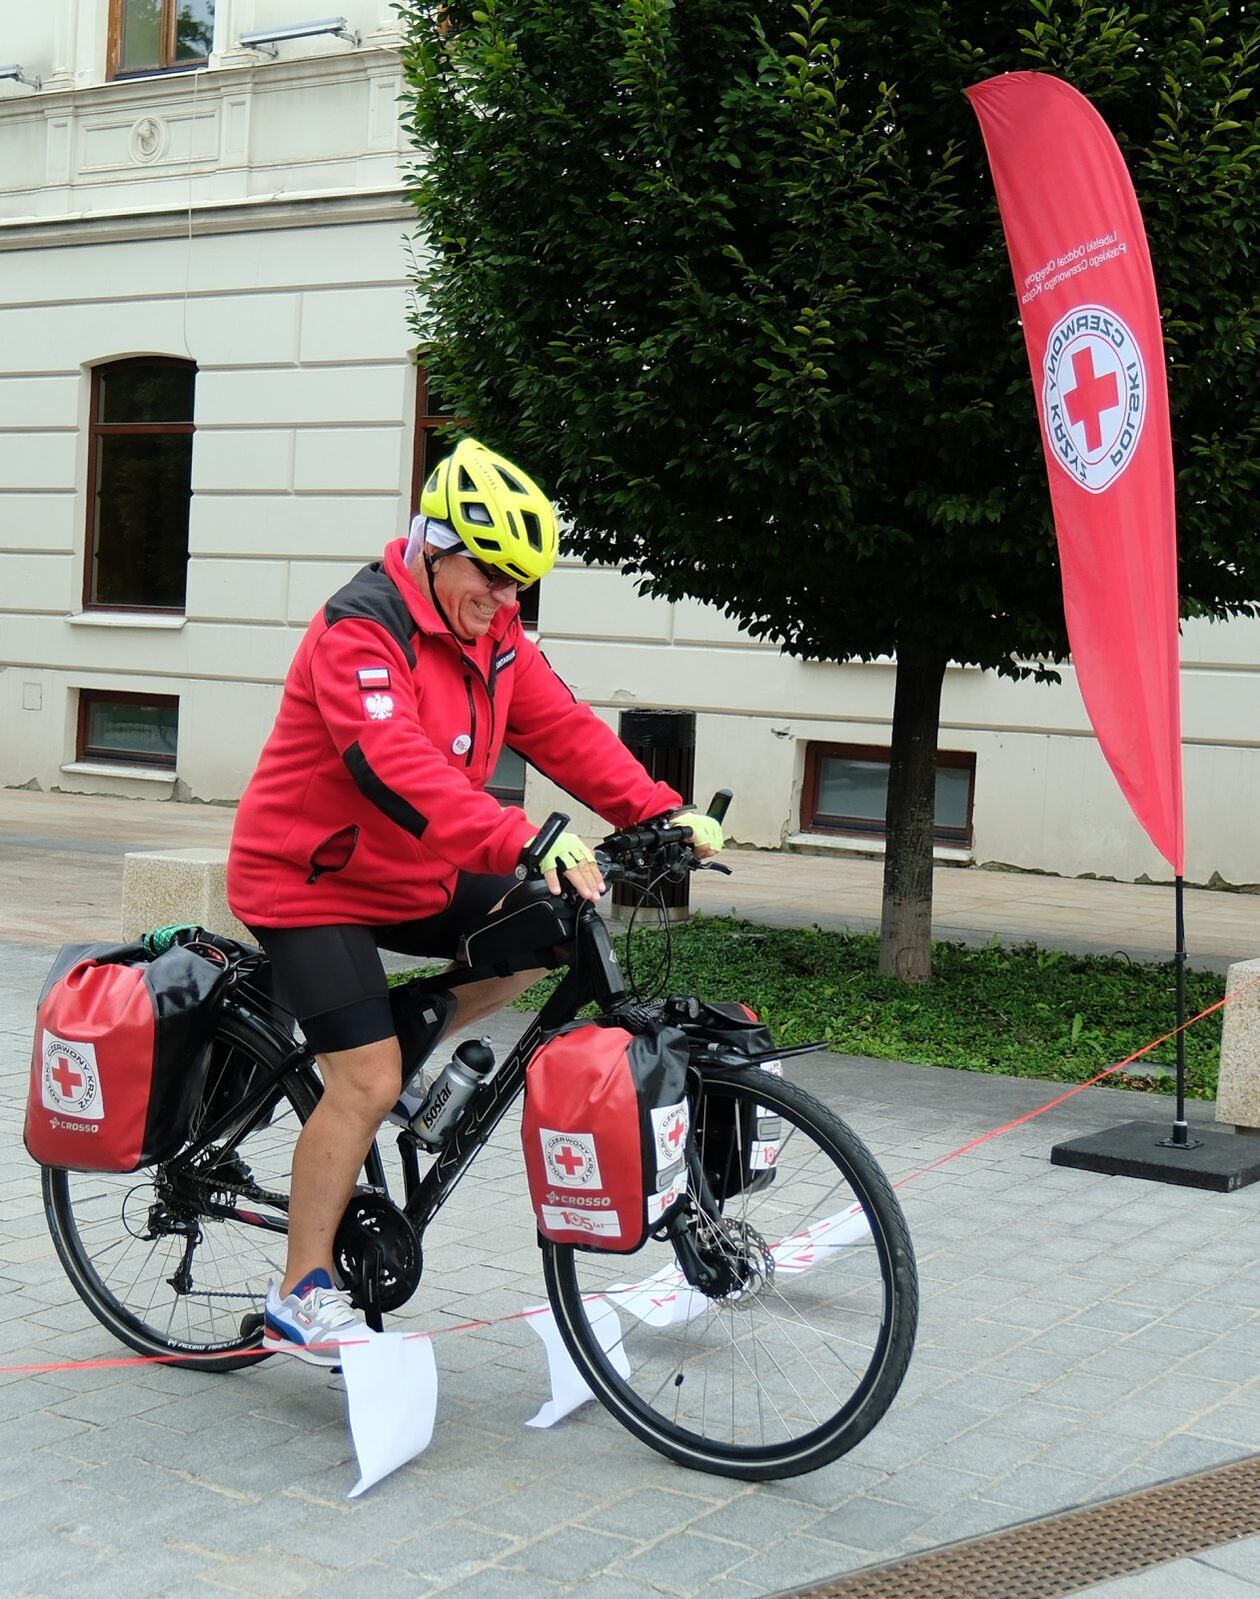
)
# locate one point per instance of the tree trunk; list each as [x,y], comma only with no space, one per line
[905,938]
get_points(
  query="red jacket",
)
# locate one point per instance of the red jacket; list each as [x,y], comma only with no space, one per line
[368,797]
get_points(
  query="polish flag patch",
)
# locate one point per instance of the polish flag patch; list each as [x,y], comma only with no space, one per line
[373,677]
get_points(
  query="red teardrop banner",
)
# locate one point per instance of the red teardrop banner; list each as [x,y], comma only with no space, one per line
[1095,344]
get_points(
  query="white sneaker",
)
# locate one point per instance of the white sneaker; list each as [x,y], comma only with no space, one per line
[312,1322]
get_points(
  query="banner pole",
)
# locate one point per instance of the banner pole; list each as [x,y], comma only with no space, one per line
[1181,1129]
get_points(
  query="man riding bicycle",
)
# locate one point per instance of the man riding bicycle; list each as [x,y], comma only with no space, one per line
[366,824]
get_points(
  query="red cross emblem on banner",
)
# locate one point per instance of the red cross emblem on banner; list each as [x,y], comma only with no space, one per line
[1094,393]
[1094,398]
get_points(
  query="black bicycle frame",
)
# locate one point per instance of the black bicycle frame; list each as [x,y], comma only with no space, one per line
[593,974]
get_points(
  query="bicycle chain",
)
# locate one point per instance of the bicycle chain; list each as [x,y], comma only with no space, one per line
[211,1185]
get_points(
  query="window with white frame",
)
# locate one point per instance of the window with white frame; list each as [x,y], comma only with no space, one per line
[846,791]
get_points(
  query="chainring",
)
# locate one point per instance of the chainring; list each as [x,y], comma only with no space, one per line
[373,1224]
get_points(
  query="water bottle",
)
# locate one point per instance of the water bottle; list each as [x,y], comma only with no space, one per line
[454,1086]
[415,1092]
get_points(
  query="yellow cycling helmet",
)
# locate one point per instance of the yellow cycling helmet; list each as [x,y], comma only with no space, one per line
[503,518]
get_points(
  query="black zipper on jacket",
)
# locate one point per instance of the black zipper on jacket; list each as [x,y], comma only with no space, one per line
[472,721]
[486,683]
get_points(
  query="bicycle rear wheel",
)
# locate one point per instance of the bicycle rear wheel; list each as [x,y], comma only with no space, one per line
[158,1255]
[803,1346]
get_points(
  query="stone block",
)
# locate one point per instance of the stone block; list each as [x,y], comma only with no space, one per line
[238,590]
[164,887]
[47,581]
[369,325]
[236,459]
[38,461]
[39,402]
[1238,1090]
[341,460]
[311,396]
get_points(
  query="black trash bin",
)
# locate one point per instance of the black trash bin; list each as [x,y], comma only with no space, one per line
[665,742]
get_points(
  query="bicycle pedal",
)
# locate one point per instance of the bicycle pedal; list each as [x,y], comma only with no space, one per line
[252,1325]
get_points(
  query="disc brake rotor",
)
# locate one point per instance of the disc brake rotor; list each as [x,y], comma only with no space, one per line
[741,1256]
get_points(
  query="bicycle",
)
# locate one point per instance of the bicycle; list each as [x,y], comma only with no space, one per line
[769,1323]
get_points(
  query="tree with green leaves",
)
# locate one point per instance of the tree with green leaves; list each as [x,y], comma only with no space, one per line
[731,279]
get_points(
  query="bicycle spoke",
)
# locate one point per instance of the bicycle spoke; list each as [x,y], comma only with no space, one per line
[127,1244]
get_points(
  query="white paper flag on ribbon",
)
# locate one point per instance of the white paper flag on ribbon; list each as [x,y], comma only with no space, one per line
[818,1243]
[569,1388]
[391,1397]
[664,1299]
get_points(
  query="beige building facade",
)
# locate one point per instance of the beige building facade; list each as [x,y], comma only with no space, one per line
[234,221]
[244,218]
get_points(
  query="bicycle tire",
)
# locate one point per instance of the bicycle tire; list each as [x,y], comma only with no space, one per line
[853,1346]
[124,1278]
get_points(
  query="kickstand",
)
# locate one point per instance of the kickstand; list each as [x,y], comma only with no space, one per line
[370,1284]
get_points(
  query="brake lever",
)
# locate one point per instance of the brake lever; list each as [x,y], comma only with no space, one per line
[712,866]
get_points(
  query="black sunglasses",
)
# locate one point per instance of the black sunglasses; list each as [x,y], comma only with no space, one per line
[496,579]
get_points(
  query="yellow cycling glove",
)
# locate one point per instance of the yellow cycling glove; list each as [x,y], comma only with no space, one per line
[704,830]
[568,850]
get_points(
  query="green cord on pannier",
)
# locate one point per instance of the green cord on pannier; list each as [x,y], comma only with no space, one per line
[159,939]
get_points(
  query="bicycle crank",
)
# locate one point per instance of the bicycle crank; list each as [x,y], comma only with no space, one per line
[374,1236]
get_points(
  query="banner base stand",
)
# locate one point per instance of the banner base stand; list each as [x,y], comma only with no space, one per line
[1215,1160]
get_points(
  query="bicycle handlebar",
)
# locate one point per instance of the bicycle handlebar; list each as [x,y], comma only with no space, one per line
[656,842]
[546,836]
[653,843]
[719,803]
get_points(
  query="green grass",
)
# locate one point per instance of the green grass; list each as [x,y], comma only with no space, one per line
[1022,1012]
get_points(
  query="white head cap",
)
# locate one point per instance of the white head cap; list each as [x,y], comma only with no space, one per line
[429,530]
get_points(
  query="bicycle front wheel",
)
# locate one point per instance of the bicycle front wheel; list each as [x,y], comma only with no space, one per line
[175,1259]
[797,1350]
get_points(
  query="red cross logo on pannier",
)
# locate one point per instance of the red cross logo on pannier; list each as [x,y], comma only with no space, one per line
[569,1161]
[571,1158]
[67,1079]
[670,1123]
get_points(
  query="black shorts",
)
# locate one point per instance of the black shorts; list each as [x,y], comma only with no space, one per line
[332,979]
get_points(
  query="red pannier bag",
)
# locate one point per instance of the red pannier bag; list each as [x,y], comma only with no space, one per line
[604,1132]
[119,1056]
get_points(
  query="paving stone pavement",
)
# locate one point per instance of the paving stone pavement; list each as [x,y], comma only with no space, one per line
[1081,1335]
[1232,1572]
